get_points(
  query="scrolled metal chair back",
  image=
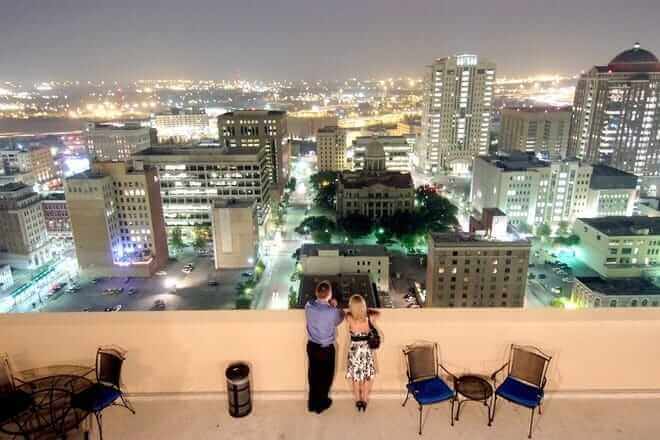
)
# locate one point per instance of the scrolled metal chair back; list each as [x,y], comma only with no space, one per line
[528,364]
[109,361]
[7,384]
[421,361]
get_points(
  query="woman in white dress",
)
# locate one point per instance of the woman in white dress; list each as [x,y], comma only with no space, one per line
[360,368]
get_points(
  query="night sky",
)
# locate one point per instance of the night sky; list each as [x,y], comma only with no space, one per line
[310,39]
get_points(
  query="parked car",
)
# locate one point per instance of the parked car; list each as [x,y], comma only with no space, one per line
[132,291]
[161,273]
[542,276]
[212,283]
[247,274]
[118,308]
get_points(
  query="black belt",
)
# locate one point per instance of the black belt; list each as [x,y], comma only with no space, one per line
[319,345]
[359,338]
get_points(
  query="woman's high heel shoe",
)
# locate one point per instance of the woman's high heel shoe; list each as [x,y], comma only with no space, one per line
[358,405]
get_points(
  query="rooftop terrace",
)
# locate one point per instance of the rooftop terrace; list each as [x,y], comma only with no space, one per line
[603,382]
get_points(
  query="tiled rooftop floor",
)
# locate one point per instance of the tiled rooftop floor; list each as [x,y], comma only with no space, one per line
[562,419]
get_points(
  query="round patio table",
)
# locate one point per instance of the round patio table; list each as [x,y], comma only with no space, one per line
[51,415]
[473,388]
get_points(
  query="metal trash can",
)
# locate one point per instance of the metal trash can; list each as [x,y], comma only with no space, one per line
[238,389]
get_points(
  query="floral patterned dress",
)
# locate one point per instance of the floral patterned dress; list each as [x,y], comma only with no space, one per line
[360,359]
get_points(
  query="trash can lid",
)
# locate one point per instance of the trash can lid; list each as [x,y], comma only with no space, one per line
[237,371]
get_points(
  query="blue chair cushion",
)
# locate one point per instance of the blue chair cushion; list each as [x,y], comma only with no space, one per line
[95,398]
[430,391]
[521,393]
[13,403]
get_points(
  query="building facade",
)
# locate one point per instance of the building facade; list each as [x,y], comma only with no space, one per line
[33,165]
[533,192]
[24,242]
[374,192]
[193,177]
[457,106]
[235,234]
[398,151]
[466,271]
[56,215]
[263,129]
[6,277]
[181,125]
[620,247]
[620,292]
[540,130]
[616,116]
[331,149]
[116,215]
[333,259]
[115,142]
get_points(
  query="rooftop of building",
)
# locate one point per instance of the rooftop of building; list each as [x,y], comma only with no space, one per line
[343,286]
[539,109]
[12,187]
[175,111]
[635,55]
[633,60]
[254,112]
[602,382]
[515,161]
[195,149]
[328,129]
[620,286]
[464,239]
[118,126]
[624,226]
[57,196]
[364,179]
[312,250]
[606,177]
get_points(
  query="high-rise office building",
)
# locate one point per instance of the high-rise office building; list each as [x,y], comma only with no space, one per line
[181,125]
[464,270]
[56,215]
[616,114]
[458,100]
[264,129]
[331,149]
[398,151]
[32,165]
[235,233]
[532,192]
[24,242]
[116,142]
[116,215]
[542,130]
[193,177]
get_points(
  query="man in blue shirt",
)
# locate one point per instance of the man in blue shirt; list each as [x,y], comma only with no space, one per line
[322,317]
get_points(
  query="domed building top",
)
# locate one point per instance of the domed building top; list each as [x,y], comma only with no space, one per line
[375,149]
[636,55]
[374,157]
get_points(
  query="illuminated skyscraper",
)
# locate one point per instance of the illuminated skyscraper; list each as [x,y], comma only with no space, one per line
[456,117]
[616,118]
[262,129]
[116,215]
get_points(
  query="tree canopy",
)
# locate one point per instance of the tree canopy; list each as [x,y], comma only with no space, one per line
[324,184]
[356,226]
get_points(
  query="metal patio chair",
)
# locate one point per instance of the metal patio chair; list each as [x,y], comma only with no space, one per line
[525,381]
[107,389]
[424,381]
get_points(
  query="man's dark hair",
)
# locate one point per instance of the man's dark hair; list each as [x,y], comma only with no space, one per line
[323,290]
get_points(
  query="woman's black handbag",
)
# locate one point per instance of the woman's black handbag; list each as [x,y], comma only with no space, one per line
[374,337]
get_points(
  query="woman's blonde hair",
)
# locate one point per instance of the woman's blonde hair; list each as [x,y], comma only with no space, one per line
[357,307]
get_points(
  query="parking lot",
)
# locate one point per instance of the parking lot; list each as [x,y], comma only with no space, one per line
[174,290]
